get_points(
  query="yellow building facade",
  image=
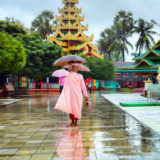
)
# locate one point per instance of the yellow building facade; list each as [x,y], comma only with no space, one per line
[69,32]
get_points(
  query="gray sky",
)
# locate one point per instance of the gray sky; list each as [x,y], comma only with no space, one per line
[99,14]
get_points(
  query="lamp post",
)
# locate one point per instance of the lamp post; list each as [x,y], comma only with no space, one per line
[154,22]
[158,76]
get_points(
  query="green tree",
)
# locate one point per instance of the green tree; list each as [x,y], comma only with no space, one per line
[101,69]
[43,23]
[12,54]
[145,40]
[123,24]
[120,43]
[12,20]
[110,45]
[40,57]
[105,43]
[126,18]
[12,57]
[12,27]
[134,55]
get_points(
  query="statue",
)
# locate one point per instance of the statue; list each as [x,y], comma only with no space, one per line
[158,76]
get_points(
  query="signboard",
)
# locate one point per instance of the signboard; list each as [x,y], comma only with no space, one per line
[9,87]
[23,82]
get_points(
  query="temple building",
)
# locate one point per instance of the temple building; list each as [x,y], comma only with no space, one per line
[144,68]
[69,32]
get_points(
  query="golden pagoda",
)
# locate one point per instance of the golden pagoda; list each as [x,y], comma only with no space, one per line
[69,32]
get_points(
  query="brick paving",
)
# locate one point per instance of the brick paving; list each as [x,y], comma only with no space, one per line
[32,130]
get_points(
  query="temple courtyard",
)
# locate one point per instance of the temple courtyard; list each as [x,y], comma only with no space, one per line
[31,129]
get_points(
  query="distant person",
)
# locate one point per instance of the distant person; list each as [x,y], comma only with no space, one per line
[154,78]
[38,85]
[118,86]
[90,84]
[61,82]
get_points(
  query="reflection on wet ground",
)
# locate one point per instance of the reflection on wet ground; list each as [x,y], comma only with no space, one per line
[148,115]
[33,130]
[8,100]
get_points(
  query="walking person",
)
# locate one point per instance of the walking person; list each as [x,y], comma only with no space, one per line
[61,74]
[71,98]
[90,84]
[61,83]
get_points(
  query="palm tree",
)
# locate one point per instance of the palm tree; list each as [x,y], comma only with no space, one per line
[42,24]
[126,18]
[120,43]
[145,40]
[134,55]
[123,25]
[105,43]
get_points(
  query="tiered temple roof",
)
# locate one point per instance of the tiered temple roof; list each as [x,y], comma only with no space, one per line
[146,62]
[69,32]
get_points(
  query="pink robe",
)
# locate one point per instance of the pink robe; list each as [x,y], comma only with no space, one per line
[71,98]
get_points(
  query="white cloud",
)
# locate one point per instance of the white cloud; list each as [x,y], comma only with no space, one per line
[2,13]
[25,17]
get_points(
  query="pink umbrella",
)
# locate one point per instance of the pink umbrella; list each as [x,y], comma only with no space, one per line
[60,73]
[65,60]
[81,67]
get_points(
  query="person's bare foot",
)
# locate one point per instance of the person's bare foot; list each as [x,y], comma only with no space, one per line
[75,125]
[71,124]
[75,122]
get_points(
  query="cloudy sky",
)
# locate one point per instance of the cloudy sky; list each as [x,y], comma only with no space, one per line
[99,14]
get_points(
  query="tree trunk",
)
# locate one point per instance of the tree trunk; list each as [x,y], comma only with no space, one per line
[123,56]
[117,57]
[4,92]
[139,52]
[109,56]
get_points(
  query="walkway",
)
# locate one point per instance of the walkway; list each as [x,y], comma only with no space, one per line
[32,130]
[7,101]
[149,115]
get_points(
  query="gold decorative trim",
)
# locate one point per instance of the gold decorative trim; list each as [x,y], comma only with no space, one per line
[69,29]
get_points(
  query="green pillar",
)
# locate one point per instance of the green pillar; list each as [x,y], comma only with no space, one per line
[140,78]
[130,77]
[121,77]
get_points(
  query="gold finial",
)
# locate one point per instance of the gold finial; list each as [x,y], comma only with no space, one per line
[70,1]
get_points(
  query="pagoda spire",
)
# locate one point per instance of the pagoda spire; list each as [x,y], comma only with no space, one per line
[69,31]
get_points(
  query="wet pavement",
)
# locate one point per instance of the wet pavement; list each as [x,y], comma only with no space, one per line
[8,100]
[148,115]
[33,130]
